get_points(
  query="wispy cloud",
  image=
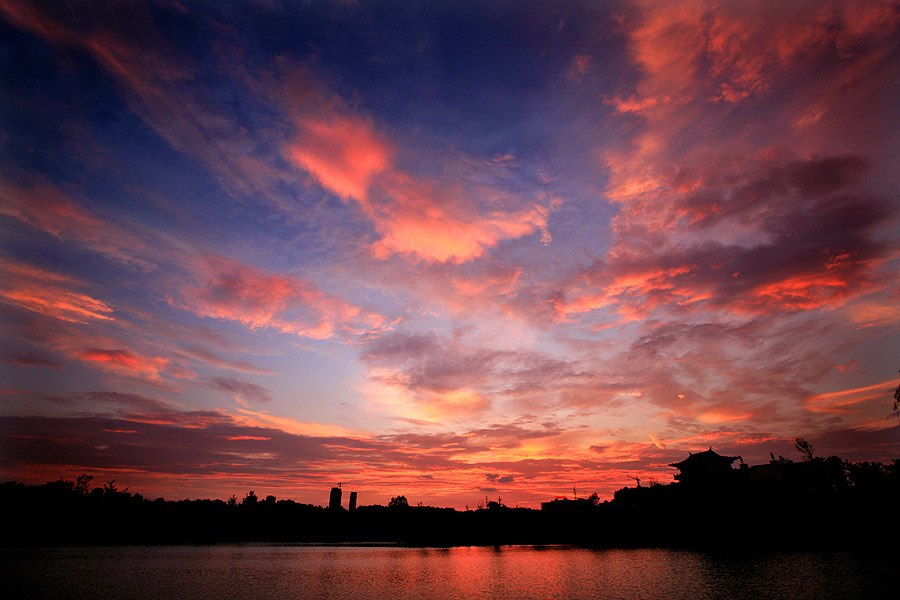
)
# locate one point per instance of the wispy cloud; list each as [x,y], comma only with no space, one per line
[244,392]
[50,294]
[42,205]
[231,290]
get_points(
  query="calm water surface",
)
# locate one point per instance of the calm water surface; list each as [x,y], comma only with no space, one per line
[509,572]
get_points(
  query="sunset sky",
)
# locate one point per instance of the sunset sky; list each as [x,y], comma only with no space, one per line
[444,249]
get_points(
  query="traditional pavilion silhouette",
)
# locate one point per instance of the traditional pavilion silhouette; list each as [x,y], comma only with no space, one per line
[705,467]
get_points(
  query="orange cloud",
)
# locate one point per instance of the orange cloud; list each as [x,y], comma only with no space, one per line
[252,418]
[439,224]
[49,294]
[626,452]
[845,401]
[631,293]
[455,403]
[124,361]
[718,416]
[874,313]
[803,292]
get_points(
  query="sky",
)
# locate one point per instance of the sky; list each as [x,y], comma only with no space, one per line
[450,250]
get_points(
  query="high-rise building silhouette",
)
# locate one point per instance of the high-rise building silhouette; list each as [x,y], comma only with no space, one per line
[352,500]
[334,502]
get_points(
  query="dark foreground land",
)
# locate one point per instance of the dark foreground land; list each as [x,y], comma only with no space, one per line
[819,504]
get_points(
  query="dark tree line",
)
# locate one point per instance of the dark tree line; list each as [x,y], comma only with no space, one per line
[814,502]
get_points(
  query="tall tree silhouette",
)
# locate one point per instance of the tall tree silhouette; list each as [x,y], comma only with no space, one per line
[83,484]
[897,403]
[805,448]
[398,502]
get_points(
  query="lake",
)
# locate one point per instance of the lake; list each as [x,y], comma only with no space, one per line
[507,572]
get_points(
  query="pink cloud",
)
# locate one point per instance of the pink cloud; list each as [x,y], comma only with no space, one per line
[491,284]
[431,218]
[633,105]
[437,220]
[730,51]
[234,291]
[696,57]
[768,235]
[434,219]
[207,356]
[343,153]
[341,150]
[580,65]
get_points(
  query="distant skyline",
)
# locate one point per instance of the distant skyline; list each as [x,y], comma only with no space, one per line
[444,249]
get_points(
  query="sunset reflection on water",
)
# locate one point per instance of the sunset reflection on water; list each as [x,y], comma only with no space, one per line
[508,572]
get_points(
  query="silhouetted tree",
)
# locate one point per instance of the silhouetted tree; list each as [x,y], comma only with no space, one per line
[250,499]
[781,460]
[804,448]
[60,487]
[897,403]
[836,470]
[232,501]
[82,484]
[868,476]
[398,502]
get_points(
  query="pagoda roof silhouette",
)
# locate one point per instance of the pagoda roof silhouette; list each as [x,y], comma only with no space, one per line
[707,458]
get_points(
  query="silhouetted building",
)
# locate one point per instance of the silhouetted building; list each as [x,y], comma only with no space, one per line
[334,502]
[352,500]
[704,467]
